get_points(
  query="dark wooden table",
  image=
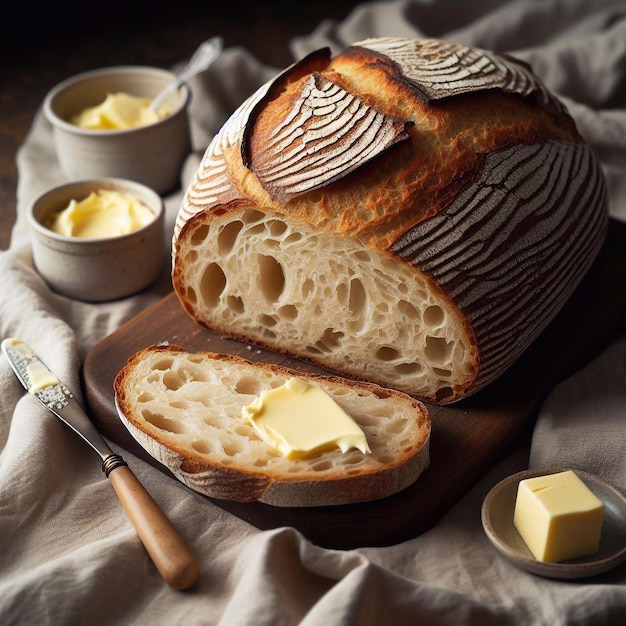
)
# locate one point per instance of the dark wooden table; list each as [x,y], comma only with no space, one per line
[40,45]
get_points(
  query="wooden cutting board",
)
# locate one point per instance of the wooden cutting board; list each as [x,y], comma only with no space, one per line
[467,439]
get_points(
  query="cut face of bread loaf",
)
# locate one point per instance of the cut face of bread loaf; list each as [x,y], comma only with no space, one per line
[186,411]
[411,212]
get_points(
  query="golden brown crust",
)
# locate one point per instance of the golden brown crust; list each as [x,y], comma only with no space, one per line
[409,182]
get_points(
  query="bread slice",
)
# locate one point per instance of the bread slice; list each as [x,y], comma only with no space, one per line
[410,212]
[185,410]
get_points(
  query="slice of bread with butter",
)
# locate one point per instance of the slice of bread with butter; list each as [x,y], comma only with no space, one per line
[201,415]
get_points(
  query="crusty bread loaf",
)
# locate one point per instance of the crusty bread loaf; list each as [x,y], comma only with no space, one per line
[410,212]
[186,411]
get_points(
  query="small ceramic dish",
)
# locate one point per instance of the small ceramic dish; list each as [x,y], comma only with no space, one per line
[101,269]
[497,519]
[152,154]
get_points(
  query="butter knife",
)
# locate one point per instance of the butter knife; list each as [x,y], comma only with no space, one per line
[169,552]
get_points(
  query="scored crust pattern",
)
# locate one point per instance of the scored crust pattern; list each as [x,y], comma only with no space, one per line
[514,264]
[442,69]
[327,134]
[484,205]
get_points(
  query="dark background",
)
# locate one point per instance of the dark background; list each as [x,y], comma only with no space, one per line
[42,44]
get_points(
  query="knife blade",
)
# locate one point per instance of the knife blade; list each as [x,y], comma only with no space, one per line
[169,552]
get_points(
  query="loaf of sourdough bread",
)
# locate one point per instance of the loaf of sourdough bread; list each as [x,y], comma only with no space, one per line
[185,409]
[409,212]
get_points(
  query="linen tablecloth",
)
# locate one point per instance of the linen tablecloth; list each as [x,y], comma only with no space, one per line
[69,555]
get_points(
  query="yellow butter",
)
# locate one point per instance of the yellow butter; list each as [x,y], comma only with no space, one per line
[120,111]
[40,376]
[299,419]
[102,214]
[558,517]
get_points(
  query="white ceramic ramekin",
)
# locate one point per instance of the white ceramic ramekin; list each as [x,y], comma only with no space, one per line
[103,269]
[152,155]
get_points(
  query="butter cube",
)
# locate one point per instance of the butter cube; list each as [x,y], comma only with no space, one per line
[558,517]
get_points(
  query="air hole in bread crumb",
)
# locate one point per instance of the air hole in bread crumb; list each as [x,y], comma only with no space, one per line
[341,292]
[387,353]
[163,423]
[288,312]
[201,446]
[173,380]
[191,296]
[232,448]
[212,284]
[292,238]
[255,229]
[434,316]
[163,364]
[271,277]
[251,216]
[444,373]
[277,228]
[144,397]
[352,459]
[358,297]
[443,393]
[199,235]
[308,286]
[248,385]
[228,235]
[322,466]
[235,304]
[267,320]
[354,470]
[396,427]
[408,310]
[244,431]
[180,404]
[437,349]
[407,368]
[331,338]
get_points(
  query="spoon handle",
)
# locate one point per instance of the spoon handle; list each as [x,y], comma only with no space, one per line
[204,56]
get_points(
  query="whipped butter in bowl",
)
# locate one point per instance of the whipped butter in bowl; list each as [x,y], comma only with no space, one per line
[120,111]
[98,240]
[103,213]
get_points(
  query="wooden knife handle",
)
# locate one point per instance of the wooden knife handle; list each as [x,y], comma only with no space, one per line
[170,553]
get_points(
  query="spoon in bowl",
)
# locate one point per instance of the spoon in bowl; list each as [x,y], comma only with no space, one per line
[204,56]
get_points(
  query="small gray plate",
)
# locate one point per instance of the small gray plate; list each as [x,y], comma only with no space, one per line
[497,520]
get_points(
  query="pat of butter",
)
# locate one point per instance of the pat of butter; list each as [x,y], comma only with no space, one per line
[299,419]
[558,517]
[102,214]
[120,111]
[40,376]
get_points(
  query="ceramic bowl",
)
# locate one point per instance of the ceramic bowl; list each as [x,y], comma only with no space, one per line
[497,519]
[152,155]
[97,270]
